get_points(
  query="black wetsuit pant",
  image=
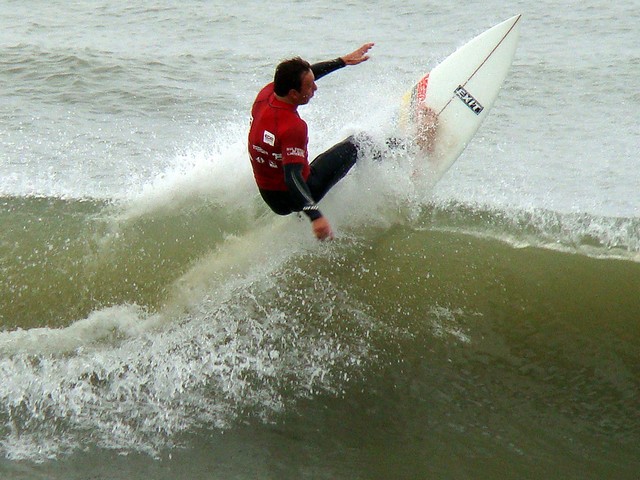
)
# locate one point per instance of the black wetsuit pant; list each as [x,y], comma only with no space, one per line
[325,171]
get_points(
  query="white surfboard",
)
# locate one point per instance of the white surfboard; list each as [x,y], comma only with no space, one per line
[461,90]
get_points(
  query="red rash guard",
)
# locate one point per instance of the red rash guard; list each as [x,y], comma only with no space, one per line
[278,150]
[278,136]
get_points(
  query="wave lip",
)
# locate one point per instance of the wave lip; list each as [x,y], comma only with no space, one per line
[583,233]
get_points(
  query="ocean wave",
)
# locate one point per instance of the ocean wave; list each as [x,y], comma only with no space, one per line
[110,82]
[583,233]
[66,258]
[166,319]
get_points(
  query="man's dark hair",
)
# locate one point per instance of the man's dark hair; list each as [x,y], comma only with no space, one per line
[289,75]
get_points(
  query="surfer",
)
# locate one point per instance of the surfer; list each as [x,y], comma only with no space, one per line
[278,140]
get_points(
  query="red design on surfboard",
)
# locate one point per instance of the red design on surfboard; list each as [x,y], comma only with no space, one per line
[421,87]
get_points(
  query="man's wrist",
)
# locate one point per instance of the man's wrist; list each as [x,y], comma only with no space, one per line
[312,212]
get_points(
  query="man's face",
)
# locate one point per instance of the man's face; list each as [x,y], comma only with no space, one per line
[307,89]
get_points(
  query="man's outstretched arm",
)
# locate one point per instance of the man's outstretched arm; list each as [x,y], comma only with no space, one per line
[360,55]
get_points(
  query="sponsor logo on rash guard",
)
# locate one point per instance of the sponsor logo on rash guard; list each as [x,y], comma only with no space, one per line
[259,149]
[269,138]
[295,152]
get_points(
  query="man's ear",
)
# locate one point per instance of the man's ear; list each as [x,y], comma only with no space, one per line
[294,95]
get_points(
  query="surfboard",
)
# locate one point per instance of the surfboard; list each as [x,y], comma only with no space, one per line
[460,91]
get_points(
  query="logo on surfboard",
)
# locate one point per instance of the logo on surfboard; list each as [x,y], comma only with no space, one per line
[468,100]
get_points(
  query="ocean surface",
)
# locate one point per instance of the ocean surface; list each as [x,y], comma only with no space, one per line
[157,321]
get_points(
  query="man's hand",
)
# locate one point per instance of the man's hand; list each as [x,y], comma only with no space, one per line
[322,229]
[359,55]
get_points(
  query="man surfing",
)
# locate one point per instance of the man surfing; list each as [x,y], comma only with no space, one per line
[278,140]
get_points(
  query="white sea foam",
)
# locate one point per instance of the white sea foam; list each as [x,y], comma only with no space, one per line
[212,170]
[218,347]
